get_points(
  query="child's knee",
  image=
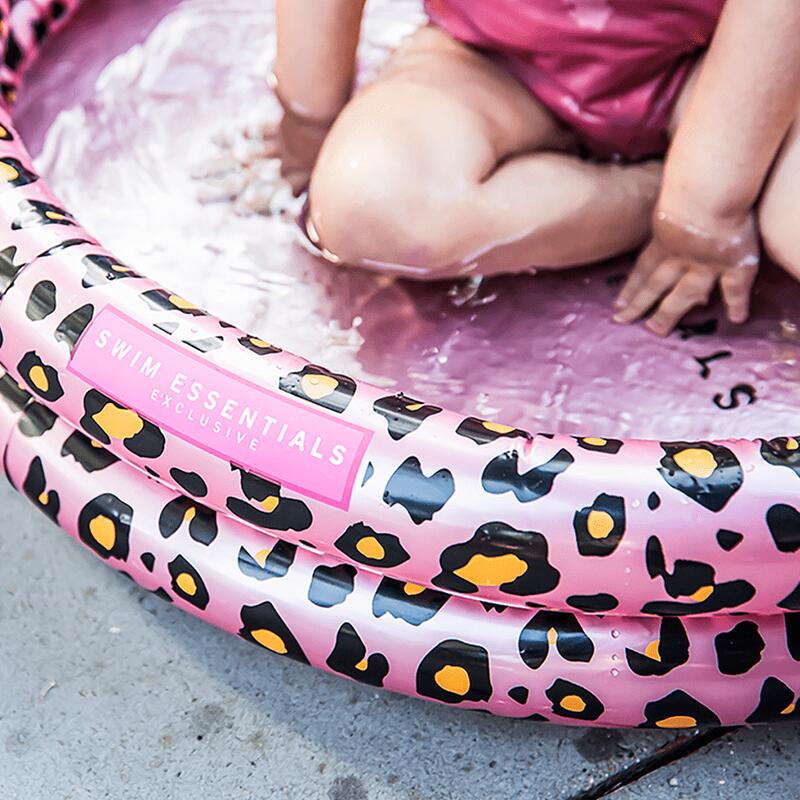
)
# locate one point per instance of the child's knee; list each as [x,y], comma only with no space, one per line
[371,208]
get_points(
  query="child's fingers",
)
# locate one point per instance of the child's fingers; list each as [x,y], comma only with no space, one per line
[693,289]
[644,265]
[737,285]
[656,285]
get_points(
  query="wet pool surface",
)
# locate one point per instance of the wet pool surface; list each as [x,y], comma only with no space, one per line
[143,695]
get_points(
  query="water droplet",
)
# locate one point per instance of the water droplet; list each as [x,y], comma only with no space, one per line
[614,672]
[635,503]
[614,633]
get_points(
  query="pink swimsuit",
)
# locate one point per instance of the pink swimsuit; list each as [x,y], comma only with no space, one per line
[610,69]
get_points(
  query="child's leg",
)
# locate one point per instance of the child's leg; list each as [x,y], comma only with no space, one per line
[434,166]
[780,204]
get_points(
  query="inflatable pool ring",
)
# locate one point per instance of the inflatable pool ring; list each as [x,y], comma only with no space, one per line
[543,665]
[208,442]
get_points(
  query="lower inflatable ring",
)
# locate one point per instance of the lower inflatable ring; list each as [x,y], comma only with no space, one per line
[542,665]
[203,439]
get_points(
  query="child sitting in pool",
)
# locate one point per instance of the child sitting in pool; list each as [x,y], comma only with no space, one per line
[510,134]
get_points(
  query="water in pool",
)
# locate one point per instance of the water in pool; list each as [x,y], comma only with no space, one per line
[124,118]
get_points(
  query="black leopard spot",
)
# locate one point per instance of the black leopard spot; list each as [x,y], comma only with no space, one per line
[783,522]
[149,561]
[727,540]
[599,527]
[792,600]
[14,53]
[783,451]
[482,431]
[330,586]
[368,473]
[739,649]
[501,476]
[258,346]
[90,455]
[105,420]
[599,445]
[13,173]
[39,377]
[189,481]
[792,624]
[692,579]
[498,555]
[455,672]
[519,694]
[271,509]
[206,345]
[403,414]
[70,328]
[573,701]
[653,501]
[678,710]
[162,594]
[14,395]
[35,489]
[36,421]
[104,525]
[34,212]
[187,583]
[65,244]
[8,268]
[267,563]
[162,300]
[202,521]
[262,625]
[101,269]
[316,384]
[410,602]
[662,655]
[41,301]
[776,702]
[349,657]
[559,628]
[421,496]
[366,546]
[709,474]
[593,602]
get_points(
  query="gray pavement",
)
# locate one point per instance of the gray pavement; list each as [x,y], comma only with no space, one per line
[108,692]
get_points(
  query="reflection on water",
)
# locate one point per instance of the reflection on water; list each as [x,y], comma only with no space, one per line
[537,351]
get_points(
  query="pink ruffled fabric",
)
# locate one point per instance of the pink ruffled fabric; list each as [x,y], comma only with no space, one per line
[610,69]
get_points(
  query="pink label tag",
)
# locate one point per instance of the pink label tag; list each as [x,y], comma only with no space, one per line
[285,440]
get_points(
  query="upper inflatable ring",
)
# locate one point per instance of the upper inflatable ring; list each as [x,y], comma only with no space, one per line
[389,482]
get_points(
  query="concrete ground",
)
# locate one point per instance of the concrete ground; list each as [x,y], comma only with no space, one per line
[108,692]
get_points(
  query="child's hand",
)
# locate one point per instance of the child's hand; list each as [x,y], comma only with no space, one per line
[683,263]
[296,142]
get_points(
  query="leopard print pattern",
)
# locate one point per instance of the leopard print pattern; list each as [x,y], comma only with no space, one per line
[554,535]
